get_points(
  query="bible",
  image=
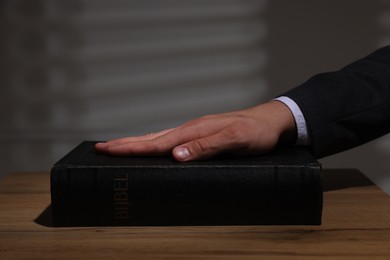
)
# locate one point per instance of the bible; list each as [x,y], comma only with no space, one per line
[283,187]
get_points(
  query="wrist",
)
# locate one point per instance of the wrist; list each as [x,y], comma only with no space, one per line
[285,122]
[279,118]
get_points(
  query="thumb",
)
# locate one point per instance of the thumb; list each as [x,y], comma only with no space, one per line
[202,148]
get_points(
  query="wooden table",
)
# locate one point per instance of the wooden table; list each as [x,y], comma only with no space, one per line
[356,224]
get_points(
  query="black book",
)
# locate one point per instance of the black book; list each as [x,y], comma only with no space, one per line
[93,189]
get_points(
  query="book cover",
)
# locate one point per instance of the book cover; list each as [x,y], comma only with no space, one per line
[93,189]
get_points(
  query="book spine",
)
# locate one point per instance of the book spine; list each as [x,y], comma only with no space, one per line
[111,196]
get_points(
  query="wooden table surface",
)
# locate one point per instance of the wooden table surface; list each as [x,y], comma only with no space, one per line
[356,225]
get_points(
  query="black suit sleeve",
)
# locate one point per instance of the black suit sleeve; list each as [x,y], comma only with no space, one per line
[349,107]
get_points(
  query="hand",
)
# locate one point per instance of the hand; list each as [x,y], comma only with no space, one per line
[255,130]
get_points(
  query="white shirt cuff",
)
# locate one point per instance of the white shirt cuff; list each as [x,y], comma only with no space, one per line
[302,133]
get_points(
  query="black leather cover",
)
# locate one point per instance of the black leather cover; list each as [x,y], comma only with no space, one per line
[280,188]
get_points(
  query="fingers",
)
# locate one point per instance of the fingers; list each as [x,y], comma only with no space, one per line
[163,142]
[197,140]
[139,148]
[160,143]
[104,147]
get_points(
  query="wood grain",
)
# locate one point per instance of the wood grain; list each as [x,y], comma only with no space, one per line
[356,225]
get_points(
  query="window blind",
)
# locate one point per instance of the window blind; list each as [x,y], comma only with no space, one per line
[93,69]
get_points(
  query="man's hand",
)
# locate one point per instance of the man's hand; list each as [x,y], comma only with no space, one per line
[255,130]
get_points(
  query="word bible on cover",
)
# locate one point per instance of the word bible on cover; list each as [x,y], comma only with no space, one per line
[93,189]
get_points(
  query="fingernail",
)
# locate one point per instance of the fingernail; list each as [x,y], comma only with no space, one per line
[182,153]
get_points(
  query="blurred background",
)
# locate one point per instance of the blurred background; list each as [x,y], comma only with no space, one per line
[95,70]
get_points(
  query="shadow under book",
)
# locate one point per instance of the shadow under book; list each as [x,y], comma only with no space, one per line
[93,189]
